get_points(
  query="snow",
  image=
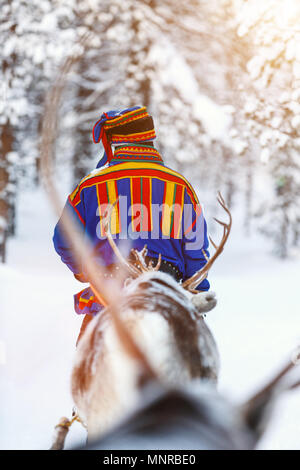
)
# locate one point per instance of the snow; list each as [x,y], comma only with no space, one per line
[38,332]
[215,119]
[256,325]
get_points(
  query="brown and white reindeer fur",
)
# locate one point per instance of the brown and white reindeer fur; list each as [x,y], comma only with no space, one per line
[167,324]
[165,321]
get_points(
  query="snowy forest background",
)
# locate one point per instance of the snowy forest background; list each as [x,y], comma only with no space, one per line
[221,79]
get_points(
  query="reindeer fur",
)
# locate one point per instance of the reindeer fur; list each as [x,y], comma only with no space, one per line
[166,322]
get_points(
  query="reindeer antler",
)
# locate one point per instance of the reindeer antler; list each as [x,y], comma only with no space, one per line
[140,264]
[256,409]
[191,283]
[140,261]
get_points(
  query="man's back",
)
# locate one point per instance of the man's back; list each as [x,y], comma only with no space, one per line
[154,205]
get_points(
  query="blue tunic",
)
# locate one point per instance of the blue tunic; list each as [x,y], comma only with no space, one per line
[156,206]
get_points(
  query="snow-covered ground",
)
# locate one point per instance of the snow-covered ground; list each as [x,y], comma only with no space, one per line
[256,325]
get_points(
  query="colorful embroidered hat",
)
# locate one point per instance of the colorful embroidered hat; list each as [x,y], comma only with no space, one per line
[123,127]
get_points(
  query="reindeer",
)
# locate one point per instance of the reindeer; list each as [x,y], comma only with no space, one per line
[166,320]
[197,417]
[149,354]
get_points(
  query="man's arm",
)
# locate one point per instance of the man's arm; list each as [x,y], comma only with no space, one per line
[195,240]
[61,241]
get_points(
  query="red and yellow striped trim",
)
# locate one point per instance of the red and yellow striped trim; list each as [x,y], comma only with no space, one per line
[141,204]
[76,210]
[133,169]
[136,153]
[136,137]
[127,117]
[107,194]
[172,209]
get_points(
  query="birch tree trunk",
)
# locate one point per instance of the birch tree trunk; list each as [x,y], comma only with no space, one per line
[6,147]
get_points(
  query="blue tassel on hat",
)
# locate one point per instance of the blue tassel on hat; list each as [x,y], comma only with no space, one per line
[103,161]
[99,134]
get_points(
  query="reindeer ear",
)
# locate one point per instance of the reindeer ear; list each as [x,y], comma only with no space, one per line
[204,301]
[257,410]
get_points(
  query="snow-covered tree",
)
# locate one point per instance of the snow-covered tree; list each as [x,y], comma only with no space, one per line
[272,109]
[30,50]
[140,59]
[221,78]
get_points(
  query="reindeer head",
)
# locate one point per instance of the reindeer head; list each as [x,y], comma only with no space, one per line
[198,417]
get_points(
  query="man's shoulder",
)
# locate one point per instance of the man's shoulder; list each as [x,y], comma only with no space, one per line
[88,179]
[131,169]
[178,175]
[182,179]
